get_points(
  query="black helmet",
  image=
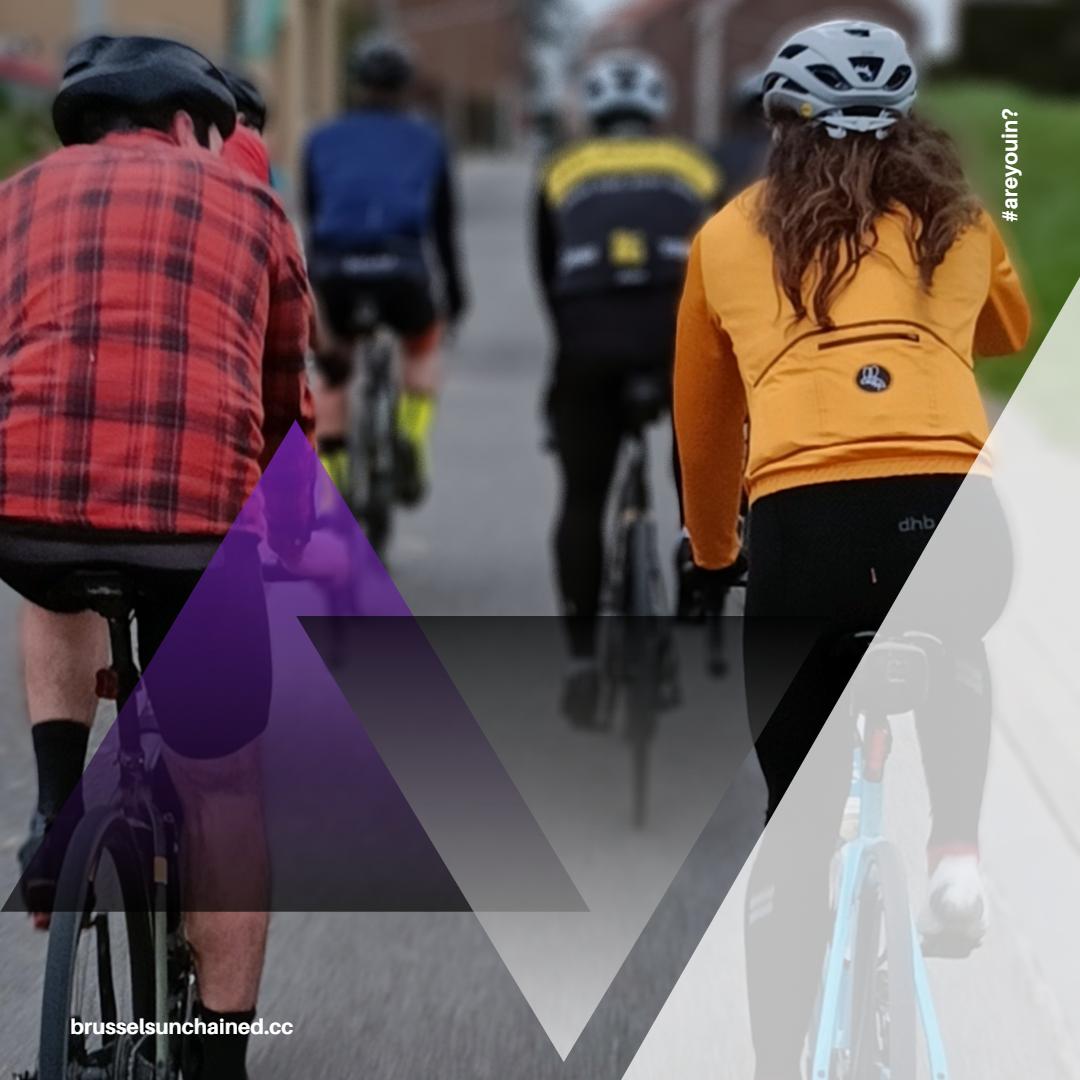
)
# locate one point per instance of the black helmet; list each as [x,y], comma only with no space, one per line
[381,63]
[143,72]
[249,102]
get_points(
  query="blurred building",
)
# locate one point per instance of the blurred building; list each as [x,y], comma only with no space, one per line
[709,46]
[470,52]
[290,45]
[471,57]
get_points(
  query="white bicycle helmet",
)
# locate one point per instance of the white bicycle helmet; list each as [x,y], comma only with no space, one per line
[625,83]
[847,75]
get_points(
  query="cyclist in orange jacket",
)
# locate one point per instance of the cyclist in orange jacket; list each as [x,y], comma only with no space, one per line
[837,307]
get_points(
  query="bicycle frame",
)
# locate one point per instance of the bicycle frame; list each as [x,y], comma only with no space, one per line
[137,802]
[830,1035]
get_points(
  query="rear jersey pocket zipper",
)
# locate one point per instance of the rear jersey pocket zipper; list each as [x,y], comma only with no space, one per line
[862,339]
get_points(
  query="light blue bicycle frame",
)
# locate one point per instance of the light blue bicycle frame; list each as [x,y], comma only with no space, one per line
[832,1031]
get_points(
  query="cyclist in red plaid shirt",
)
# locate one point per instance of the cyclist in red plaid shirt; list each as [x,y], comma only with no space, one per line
[154,319]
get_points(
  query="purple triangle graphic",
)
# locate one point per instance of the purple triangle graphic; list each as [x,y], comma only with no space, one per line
[441,828]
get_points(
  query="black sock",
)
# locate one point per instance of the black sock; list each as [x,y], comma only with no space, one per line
[222,1056]
[330,444]
[60,750]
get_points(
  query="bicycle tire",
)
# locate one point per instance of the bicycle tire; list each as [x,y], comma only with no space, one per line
[356,496]
[377,437]
[642,660]
[884,910]
[102,830]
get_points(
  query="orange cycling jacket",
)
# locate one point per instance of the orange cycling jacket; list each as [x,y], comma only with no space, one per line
[889,390]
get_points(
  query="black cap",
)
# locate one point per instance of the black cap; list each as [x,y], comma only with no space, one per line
[143,72]
[250,104]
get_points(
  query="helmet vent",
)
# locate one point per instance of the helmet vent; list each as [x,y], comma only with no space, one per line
[857,31]
[792,51]
[899,77]
[830,76]
[868,67]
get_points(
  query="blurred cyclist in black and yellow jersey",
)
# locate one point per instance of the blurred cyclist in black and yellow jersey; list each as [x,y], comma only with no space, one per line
[614,216]
[382,222]
[837,308]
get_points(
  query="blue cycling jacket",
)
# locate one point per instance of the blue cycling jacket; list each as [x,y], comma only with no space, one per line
[372,176]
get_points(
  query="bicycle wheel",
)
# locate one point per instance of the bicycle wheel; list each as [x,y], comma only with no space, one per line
[378,439]
[642,656]
[883,1003]
[99,968]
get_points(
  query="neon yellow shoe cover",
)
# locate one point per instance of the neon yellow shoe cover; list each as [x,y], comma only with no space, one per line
[415,417]
[336,463]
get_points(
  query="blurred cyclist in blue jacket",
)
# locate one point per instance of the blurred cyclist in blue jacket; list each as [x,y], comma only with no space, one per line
[380,208]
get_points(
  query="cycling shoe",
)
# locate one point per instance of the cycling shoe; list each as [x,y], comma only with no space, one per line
[954,919]
[29,847]
[581,693]
[39,888]
[336,463]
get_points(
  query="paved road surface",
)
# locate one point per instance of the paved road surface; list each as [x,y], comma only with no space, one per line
[426,995]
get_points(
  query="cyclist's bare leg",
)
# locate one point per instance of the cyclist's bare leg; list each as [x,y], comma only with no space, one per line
[227,878]
[61,658]
[330,410]
[422,374]
[331,394]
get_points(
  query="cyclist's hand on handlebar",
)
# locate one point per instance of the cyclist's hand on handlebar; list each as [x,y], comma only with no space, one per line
[713,585]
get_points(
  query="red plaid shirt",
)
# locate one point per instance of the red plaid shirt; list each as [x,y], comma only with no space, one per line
[154,316]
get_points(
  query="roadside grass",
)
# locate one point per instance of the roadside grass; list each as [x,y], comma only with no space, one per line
[1045,241]
[25,134]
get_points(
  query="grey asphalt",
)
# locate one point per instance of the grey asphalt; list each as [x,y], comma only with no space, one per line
[426,996]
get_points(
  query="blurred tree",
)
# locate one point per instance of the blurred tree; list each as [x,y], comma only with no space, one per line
[554,33]
[355,19]
[25,135]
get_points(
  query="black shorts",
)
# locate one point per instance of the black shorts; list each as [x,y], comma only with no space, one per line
[36,560]
[403,303]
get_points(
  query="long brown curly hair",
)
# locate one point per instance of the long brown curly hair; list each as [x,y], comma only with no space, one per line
[823,197]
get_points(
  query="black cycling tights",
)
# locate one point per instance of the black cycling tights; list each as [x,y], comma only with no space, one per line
[842,552]
[587,415]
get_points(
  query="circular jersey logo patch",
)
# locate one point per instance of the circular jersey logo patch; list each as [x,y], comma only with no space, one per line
[873,379]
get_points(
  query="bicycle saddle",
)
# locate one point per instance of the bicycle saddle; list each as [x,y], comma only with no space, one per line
[109,592]
[894,675]
[366,317]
